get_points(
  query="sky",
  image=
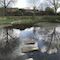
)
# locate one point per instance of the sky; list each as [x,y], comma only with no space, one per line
[21,3]
[28,4]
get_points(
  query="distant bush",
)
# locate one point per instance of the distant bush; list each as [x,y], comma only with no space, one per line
[49,11]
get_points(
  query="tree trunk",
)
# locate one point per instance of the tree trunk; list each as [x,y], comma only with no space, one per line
[55,9]
[6,36]
[5,12]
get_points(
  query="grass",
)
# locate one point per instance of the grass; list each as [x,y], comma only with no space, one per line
[28,20]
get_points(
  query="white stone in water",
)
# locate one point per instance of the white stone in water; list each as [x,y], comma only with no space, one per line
[29,59]
[57,29]
[29,29]
[43,49]
[51,51]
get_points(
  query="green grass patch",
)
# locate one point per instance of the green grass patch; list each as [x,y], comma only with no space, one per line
[29,20]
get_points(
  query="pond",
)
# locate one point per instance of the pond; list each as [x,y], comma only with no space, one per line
[44,38]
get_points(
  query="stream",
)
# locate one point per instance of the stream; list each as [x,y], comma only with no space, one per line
[41,35]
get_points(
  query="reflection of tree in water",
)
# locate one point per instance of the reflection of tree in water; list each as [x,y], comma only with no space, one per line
[54,40]
[51,38]
[7,42]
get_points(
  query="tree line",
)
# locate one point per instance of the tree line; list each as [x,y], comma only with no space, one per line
[27,12]
[48,10]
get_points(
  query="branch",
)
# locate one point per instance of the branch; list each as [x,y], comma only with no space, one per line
[6,3]
[51,1]
[11,1]
[1,3]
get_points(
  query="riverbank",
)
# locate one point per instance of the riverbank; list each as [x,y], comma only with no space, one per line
[26,21]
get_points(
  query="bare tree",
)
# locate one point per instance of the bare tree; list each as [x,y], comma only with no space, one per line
[54,3]
[6,3]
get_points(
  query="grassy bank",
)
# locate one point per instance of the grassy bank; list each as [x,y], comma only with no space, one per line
[28,20]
